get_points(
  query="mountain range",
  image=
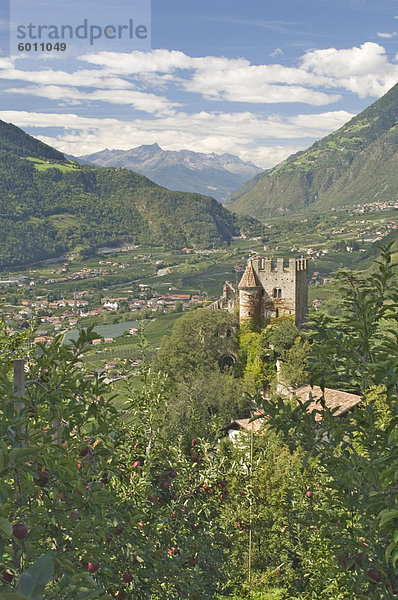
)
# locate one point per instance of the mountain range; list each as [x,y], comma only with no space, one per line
[215,175]
[49,205]
[357,164]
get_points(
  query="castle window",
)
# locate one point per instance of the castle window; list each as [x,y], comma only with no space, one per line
[275,293]
[277,313]
[279,293]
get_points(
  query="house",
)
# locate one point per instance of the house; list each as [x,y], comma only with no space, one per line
[239,426]
[111,365]
[344,402]
[341,402]
[43,339]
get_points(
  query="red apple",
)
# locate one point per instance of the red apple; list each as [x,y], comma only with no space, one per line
[309,494]
[20,530]
[127,577]
[173,474]
[374,575]
[359,558]
[165,484]
[193,443]
[136,464]
[92,567]
[118,530]
[75,515]
[195,458]
[6,576]
[84,451]
[43,477]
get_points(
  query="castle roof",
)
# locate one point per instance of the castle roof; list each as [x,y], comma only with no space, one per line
[249,279]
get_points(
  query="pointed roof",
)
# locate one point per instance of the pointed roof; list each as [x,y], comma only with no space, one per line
[249,279]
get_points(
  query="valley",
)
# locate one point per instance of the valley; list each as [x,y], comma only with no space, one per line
[117,290]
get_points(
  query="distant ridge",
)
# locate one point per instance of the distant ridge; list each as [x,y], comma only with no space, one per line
[355,165]
[49,205]
[210,174]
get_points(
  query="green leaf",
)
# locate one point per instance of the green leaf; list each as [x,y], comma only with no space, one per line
[18,453]
[90,595]
[386,516]
[11,596]
[6,526]
[34,580]
[3,494]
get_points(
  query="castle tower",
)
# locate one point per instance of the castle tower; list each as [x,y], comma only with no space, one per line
[269,288]
[285,286]
[251,310]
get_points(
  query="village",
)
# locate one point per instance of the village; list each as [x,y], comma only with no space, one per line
[118,289]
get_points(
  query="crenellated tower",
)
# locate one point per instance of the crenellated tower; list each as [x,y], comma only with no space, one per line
[271,288]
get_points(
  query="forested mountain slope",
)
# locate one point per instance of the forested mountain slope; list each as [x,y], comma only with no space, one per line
[49,205]
[355,165]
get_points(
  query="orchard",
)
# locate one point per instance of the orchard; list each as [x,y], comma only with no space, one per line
[94,504]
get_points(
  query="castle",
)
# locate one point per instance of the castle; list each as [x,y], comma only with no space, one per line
[268,289]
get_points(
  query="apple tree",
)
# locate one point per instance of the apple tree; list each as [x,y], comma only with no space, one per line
[357,454]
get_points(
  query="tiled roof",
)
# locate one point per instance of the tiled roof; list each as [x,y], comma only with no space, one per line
[249,279]
[343,401]
[246,424]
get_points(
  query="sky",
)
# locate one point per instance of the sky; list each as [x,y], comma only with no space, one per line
[260,79]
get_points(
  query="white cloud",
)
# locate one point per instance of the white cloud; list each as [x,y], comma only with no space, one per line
[149,103]
[316,81]
[264,141]
[251,85]
[276,52]
[217,78]
[162,61]
[364,70]
[130,79]
[82,77]
[387,35]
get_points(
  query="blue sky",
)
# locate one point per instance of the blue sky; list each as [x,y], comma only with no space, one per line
[260,79]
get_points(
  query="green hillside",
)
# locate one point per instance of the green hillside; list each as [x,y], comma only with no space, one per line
[49,205]
[355,165]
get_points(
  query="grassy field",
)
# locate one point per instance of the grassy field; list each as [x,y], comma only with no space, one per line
[43,165]
[159,327]
[127,346]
